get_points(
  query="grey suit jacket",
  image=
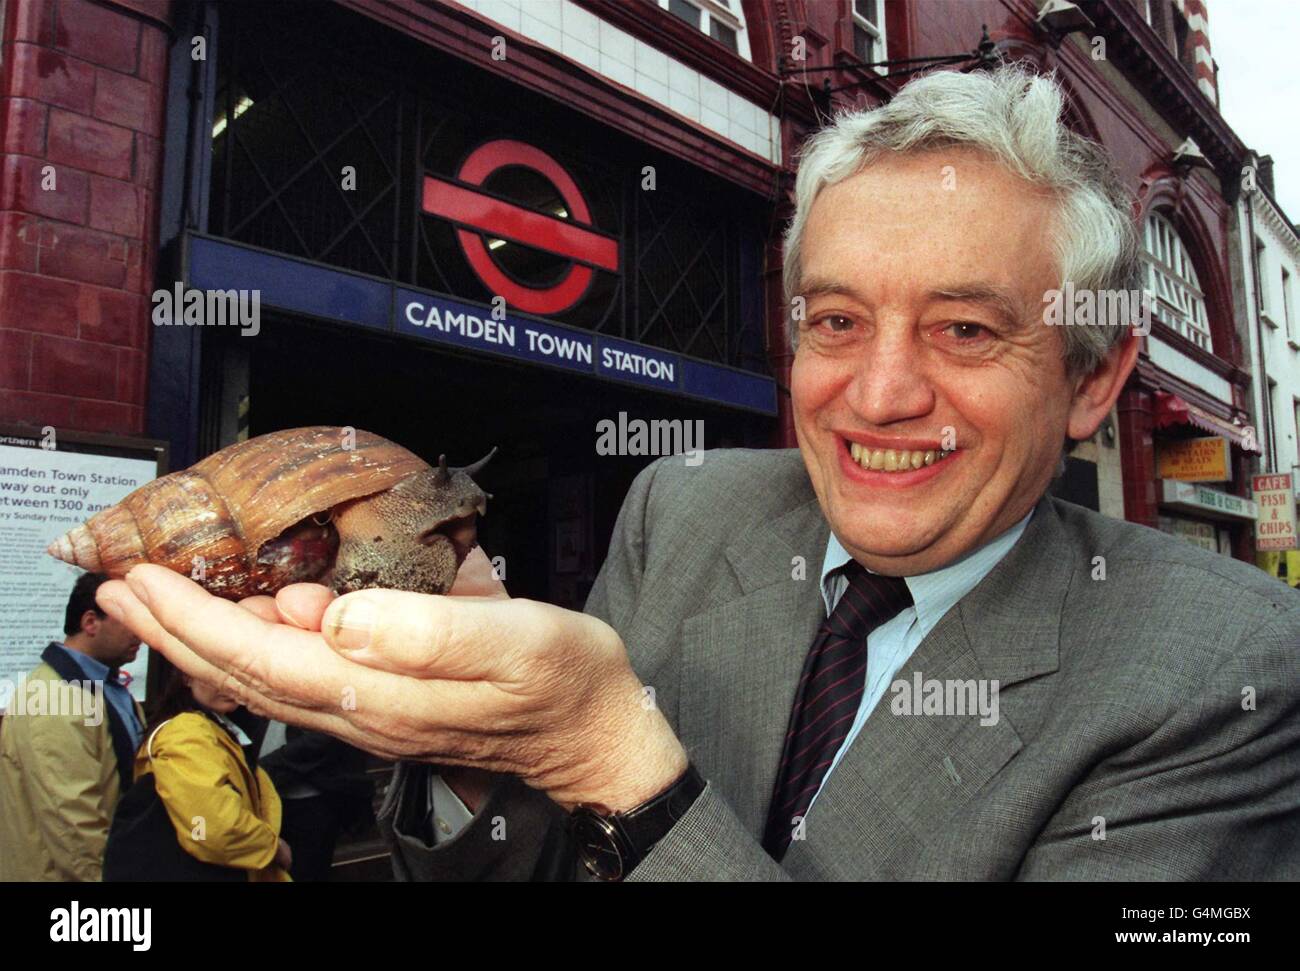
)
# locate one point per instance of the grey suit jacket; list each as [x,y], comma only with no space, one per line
[1149,705]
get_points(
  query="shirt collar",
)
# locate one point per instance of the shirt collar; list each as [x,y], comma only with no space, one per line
[93,668]
[936,592]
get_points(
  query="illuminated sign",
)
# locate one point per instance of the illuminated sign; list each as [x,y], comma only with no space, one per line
[1195,460]
[477,212]
[443,320]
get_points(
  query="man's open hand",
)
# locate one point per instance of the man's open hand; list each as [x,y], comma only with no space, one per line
[475,679]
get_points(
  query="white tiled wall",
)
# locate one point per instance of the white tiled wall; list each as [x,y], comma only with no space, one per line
[615,54]
[1193,372]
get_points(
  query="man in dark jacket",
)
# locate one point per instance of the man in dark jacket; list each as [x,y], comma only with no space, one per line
[324,792]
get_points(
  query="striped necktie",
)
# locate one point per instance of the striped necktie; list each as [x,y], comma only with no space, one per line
[828,697]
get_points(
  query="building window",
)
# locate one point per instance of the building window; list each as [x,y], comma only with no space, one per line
[1183,43]
[1178,300]
[1296,403]
[868,31]
[721,32]
[686,11]
[1275,418]
[1262,298]
[1288,309]
[720,19]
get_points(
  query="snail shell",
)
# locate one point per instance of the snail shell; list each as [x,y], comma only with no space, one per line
[328,504]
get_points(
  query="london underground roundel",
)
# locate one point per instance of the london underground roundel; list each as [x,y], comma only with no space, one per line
[477,213]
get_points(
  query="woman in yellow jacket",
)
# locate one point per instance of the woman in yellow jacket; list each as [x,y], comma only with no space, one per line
[223,812]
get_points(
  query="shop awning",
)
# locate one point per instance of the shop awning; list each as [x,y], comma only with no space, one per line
[1173,410]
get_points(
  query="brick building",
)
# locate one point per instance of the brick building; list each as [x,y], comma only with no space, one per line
[152,144]
[83,90]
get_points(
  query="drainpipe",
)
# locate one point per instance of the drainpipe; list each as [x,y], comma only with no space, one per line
[1266,404]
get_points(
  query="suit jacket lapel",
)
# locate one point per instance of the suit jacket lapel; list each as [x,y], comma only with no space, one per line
[741,660]
[906,773]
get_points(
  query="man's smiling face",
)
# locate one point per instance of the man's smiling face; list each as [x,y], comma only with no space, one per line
[923,331]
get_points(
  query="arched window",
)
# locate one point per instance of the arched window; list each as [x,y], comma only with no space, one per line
[1171,279]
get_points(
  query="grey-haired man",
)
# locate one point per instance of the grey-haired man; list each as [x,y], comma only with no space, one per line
[884,655]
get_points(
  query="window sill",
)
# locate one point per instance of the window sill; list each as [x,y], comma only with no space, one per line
[1263,315]
[1291,343]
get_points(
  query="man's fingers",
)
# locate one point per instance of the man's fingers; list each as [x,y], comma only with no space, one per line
[277,661]
[291,675]
[262,606]
[426,636]
[303,604]
[294,675]
[299,604]
[118,600]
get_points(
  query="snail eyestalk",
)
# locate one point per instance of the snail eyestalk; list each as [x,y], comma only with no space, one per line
[477,467]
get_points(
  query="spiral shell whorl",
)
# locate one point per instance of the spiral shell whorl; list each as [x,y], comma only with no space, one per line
[210,520]
[77,546]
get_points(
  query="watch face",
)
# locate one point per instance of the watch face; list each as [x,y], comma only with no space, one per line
[597,846]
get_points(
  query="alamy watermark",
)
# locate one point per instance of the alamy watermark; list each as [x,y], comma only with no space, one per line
[77,924]
[1084,307]
[930,696]
[636,436]
[188,307]
[41,696]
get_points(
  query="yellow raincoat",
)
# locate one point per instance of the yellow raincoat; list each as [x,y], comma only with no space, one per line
[221,812]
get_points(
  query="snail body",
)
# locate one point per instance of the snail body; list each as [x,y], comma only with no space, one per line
[322,504]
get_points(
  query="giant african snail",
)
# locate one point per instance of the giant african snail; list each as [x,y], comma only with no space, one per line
[327,505]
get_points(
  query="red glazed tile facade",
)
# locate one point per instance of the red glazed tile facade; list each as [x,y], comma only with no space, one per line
[81,108]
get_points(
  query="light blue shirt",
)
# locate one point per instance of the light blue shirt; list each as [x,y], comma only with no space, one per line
[114,693]
[893,642]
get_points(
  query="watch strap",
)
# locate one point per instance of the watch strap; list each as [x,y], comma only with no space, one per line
[650,822]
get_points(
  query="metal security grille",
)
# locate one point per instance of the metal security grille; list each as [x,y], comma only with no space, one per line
[305,150]
[326,123]
[687,269]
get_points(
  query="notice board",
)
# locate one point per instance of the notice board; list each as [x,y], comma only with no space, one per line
[51,480]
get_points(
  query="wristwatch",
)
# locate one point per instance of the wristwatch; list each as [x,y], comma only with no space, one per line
[611,844]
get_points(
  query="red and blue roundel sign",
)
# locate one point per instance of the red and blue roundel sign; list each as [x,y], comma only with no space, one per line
[462,202]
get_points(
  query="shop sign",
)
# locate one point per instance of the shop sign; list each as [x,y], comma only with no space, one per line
[1195,460]
[446,321]
[299,286]
[1204,535]
[1198,498]
[1275,526]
